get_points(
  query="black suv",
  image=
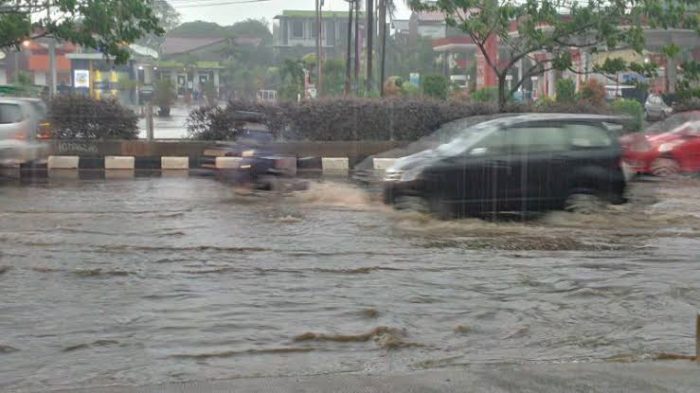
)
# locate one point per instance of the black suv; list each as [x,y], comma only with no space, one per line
[523,163]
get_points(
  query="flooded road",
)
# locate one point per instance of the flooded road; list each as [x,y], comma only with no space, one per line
[162,280]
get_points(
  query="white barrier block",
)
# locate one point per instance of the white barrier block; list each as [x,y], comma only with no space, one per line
[228,162]
[119,162]
[174,163]
[383,164]
[335,164]
[63,162]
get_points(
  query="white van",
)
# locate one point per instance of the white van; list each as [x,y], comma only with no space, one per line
[18,125]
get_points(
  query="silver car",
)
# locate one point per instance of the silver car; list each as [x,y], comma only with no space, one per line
[656,108]
[19,122]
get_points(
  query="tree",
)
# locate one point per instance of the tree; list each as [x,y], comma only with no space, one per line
[334,77]
[106,25]
[292,76]
[199,29]
[252,28]
[554,26]
[168,18]
[435,86]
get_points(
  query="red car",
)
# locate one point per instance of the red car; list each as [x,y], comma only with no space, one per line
[668,147]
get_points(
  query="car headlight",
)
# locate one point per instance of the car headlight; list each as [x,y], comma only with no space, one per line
[248,153]
[395,175]
[667,147]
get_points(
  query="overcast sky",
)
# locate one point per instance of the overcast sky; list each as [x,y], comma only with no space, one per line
[228,14]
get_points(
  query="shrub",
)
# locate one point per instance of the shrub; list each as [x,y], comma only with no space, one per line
[593,92]
[691,104]
[408,89]
[339,119]
[486,94]
[436,86]
[82,117]
[631,108]
[566,90]
[164,93]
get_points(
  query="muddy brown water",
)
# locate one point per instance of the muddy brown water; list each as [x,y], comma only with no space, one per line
[162,280]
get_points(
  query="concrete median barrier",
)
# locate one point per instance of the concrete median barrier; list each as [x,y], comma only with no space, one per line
[335,165]
[174,163]
[228,162]
[119,162]
[63,162]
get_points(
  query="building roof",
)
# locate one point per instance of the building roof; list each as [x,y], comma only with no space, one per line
[179,45]
[312,14]
[170,64]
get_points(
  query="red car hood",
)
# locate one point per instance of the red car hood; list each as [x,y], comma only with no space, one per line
[656,140]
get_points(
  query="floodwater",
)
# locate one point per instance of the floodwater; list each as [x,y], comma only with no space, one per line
[147,281]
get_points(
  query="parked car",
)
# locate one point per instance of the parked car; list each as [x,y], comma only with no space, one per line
[655,108]
[666,148]
[523,163]
[18,126]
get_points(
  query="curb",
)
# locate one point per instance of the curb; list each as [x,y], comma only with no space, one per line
[126,166]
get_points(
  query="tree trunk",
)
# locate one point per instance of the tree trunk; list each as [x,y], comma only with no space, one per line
[382,34]
[357,45]
[348,61]
[370,43]
[502,91]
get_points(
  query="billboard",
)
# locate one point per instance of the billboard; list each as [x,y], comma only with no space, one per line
[81,78]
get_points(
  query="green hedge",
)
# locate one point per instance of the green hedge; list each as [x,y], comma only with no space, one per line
[631,108]
[82,117]
[339,119]
[346,119]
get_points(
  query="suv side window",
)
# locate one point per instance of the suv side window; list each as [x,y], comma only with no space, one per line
[497,142]
[587,136]
[538,138]
[10,113]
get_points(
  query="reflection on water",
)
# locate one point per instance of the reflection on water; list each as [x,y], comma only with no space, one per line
[156,280]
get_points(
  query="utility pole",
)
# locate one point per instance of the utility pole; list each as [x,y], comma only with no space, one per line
[348,59]
[382,34]
[52,55]
[370,40]
[357,45]
[318,48]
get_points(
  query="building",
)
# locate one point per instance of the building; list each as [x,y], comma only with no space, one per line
[32,59]
[294,33]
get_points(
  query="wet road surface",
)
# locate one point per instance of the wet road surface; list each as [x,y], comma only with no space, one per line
[163,280]
[171,127]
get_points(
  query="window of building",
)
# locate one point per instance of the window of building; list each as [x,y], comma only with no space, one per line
[297,29]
